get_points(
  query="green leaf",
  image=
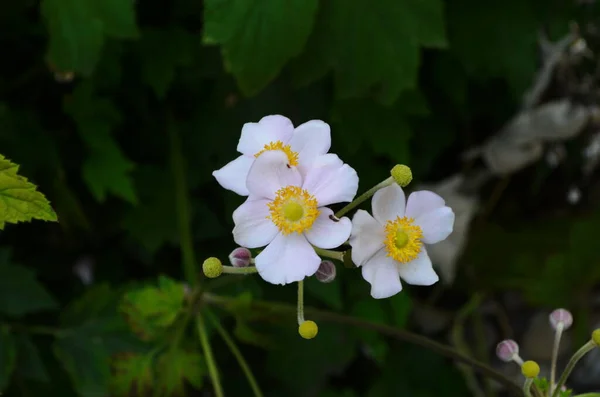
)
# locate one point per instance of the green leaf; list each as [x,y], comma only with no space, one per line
[29,362]
[133,375]
[106,169]
[20,292]
[162,52]
[19,199]
[77,29]
[258,37]
[372,45]
[8,354]
[328,293]
[177,366]
[150,310]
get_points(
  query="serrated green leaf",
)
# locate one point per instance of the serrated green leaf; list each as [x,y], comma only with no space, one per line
[133,375]
[77,29]
[258,37]
[177,366]
[8,354]
[29,362]
[150,310]
[19,199]
[372,45]
[20,292]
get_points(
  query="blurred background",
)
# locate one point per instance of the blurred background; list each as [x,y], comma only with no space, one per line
[120,110]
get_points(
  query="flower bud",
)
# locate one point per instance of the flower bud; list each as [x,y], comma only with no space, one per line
[326,272]
[530,369]
[507,350]
[402,174]
[561,316]
[240,257]
[596,337]
[308,329]
[212,267]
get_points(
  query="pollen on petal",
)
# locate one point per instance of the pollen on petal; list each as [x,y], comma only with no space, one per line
[293,210]
[278,145]
[403,239]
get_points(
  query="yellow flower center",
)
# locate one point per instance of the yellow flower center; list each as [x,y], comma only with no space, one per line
[403,239]
[278,145]
[293,210]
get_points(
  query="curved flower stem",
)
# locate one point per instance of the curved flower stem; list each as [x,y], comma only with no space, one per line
[284,309]
[239,270]
[238,356]
[555,348]
[527,387]
[182,206]
[585,349]
[208,356]
[300,308]
[329,253]
[357,201]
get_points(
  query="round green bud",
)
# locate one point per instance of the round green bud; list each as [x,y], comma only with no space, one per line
[308,329]
[596,337]
[212,267]
[530,369]
[402,174]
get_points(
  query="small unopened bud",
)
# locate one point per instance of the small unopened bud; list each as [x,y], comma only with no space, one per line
[530,369]
[402,174]
[507,350]
[240,257]
[596,337]
[326,272]
[212,267]
[308,329]
[561,316]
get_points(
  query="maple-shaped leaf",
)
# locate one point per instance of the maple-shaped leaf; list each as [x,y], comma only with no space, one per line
[19,199]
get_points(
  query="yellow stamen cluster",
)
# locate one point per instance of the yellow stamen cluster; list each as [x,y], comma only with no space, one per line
[212,267]
[293,210]
[403,239]
[278,145]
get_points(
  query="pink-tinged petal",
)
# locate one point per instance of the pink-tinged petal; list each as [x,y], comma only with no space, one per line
[388,203]
[419,271]
[367,237]
[422,202]
[252,227]
[234,174]
[270,172]
[269,129]
[382,273]
[436,225]
[287,259]
[328,231]
[331,181]
[310,140]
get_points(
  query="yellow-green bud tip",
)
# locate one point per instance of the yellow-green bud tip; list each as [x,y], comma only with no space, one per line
[212,267]
[596,337]
[530,369]
[402,174]
[308,329]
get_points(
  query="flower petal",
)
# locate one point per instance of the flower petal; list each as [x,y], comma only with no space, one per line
[436,225]
[310,140]
[421,202]
[381,272]
[287,259]
[388,203]
[233,175]
[269,129]
[269,173]
[419,271]
[327,231]
[252,228]
[331,181]
[367,237]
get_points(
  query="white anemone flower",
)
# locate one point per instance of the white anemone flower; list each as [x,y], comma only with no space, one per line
[286,212]
[302,145]
[389,245]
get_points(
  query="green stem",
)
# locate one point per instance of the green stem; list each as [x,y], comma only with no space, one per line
[555,348]
[300,307]
[238,355]
[330,253]
[239,270]
[267,308]
[208,356]
[183,207]
[585,349]
[357,201]
[527,387]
